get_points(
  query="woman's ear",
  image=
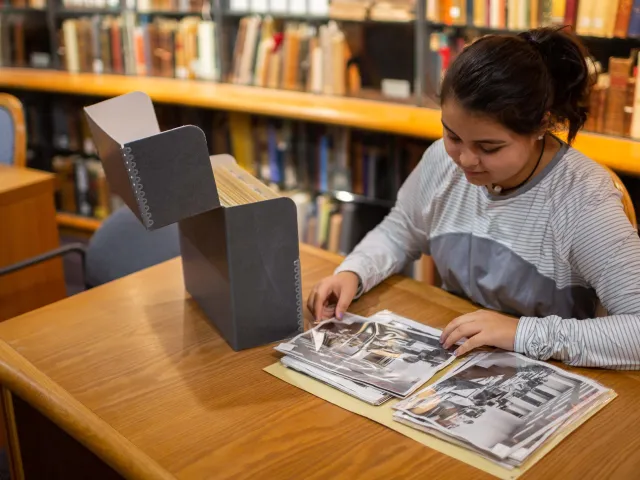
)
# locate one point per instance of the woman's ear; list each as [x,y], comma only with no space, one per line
[544,126]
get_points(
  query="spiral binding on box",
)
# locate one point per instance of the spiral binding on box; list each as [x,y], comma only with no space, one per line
[132,171]
[296,270]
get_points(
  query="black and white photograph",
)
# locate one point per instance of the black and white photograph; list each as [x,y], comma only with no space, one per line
[425,427]
[386,354]
[501,401]
[360,390]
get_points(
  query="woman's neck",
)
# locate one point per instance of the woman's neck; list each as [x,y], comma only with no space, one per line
[533,167]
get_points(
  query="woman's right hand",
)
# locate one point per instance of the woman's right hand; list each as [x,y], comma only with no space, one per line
[332,296]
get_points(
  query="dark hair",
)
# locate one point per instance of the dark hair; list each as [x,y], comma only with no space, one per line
[519,79]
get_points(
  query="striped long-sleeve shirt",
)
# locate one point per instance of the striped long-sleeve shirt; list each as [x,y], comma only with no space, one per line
[548,252]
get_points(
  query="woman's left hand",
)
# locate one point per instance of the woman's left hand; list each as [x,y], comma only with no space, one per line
[484,327]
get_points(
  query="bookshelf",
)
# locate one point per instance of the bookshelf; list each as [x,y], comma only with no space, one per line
[618,153]
[423,35]
[354,112]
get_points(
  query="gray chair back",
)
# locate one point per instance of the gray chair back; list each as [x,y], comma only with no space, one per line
[122,245]
[7,136]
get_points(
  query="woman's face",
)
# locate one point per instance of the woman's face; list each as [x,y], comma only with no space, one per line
[487,152]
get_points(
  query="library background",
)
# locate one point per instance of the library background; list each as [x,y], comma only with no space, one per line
[331,102]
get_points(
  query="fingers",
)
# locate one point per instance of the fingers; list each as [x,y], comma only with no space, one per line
[474,342]
[347,292]
[469,317]
[319,301]
[467,330]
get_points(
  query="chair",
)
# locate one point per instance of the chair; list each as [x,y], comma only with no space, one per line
[120,246]
[13,138]
[430,274]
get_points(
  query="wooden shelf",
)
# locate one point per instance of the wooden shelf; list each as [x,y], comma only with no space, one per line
[77,222]
[353,112]
[618,153]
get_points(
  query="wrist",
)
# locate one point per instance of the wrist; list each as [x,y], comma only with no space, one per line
[352,277]
[525,335]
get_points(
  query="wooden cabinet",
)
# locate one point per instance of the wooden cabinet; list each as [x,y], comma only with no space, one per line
[28,228]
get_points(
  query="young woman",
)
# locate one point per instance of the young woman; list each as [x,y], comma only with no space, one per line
[514,218]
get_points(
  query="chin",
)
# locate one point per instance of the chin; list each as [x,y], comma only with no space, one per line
[479,179]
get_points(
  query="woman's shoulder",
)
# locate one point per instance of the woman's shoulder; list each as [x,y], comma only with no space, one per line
[578,178]
[431,176]
[579,188]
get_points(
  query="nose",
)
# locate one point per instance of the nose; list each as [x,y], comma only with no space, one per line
[468,160]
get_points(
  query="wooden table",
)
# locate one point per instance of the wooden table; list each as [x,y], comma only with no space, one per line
[134,372]
[28,228]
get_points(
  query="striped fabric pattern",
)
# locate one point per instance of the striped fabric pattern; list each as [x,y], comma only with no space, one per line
[548,253]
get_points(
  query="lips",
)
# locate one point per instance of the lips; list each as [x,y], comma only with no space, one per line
[472,173]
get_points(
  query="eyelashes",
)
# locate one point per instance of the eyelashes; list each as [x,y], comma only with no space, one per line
[489,152]
[457,141]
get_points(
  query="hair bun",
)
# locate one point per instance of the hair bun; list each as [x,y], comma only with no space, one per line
[529,39]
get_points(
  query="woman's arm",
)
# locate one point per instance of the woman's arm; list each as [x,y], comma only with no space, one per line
[604,249]
[401,236]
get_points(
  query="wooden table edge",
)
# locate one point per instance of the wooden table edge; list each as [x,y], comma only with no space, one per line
[36,183]
[41,392]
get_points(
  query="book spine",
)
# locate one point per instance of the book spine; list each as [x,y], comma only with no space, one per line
[623,16]
[571,13]
[138,191]
[634,23]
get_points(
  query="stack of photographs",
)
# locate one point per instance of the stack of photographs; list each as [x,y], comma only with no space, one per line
[374,359]
[502,405]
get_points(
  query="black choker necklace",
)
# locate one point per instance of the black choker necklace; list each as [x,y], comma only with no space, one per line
[497,189]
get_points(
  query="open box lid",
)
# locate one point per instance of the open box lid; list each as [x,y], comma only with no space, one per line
[163,177]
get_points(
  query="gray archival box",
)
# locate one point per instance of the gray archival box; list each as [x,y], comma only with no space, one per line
[241,264]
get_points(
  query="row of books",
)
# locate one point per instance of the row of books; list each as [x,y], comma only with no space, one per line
[375,10]
[325,58]
[292,7]
[141,6]
[300,56]
[180,6]
[12,40]
[102,4]
[165,47]
[39,4]
[356,10]
[69,130]
[372,61]
[613,99]
[298,155]
[620,18]
[81,187]
[287,155]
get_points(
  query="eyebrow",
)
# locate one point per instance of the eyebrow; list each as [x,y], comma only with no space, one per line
[489,140]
